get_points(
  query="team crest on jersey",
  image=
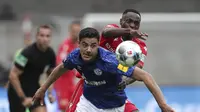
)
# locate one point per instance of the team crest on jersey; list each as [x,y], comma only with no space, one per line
[97,71]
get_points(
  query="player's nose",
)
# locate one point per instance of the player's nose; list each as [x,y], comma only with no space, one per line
[89,49]
[132,25]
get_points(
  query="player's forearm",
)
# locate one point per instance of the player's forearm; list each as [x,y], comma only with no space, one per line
[55,74]
[116,32]
[155,90]
[130,80]
[50,89]
[14,80]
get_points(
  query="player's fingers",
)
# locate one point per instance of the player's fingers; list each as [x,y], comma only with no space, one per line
[41,102]
[142,37]
[33,100]
[146,35]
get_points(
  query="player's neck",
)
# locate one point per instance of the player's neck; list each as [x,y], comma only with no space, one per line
[93,60]
[40,48]
[126,38]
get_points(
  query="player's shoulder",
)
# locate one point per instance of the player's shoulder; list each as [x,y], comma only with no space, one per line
[73,57]
[67,40]
[142,45]
[107,56]
[139,42]
[27,50]
[75,53]
[111,26]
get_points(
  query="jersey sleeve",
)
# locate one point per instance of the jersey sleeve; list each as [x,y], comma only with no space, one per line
[21,59]
[68,62]
[115,68]
[104,41]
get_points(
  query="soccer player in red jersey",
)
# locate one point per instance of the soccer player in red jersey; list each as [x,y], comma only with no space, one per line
[65,92]
[111,37]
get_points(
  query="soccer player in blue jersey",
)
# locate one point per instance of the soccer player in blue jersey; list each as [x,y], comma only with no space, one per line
[102,74]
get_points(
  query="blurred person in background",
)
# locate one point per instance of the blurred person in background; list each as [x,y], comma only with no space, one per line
[29,64]
[26,29]
[65,85]
[111,37]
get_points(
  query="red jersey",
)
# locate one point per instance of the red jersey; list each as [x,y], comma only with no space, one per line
[65,86]
[111,43]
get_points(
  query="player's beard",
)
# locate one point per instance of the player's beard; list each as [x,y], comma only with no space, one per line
[42,47]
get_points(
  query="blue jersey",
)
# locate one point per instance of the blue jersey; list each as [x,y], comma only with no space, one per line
[101,78]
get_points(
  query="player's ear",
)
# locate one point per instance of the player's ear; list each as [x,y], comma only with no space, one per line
[120,21]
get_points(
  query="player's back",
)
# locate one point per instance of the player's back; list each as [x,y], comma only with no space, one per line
[101,78]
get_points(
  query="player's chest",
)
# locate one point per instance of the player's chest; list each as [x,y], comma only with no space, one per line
[39,61]
[92,72]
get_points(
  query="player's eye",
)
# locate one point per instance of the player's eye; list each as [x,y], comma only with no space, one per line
[129,21]
[43,35]
[84,44]
[93,45]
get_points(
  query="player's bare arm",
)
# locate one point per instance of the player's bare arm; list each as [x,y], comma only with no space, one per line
[150,83]
[130,80]
[14,80]
[126,80]
[148,80]
[55,74]
[48,74]
[116,32]
[50,96]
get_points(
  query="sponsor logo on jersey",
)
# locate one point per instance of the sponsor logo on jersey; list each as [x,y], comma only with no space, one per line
[122,68]
[95,83]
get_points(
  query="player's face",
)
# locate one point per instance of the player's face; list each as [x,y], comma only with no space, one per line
[89,49]
[75,29]
[130,20]
[44,37]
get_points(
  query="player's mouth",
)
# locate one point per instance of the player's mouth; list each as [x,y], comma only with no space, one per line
[86,56]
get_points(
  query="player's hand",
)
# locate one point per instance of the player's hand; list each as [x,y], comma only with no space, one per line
[167,108]
[39,97]
[51,98]
[27,102]
[138,34]
[122,85]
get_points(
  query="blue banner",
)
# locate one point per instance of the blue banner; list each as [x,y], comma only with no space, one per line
[182,99]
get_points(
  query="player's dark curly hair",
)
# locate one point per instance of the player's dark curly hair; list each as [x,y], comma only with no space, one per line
[131,10]
[89,33]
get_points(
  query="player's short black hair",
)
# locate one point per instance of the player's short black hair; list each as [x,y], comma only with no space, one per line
[45,26]
[75,22]
[89,33]
[131,10]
